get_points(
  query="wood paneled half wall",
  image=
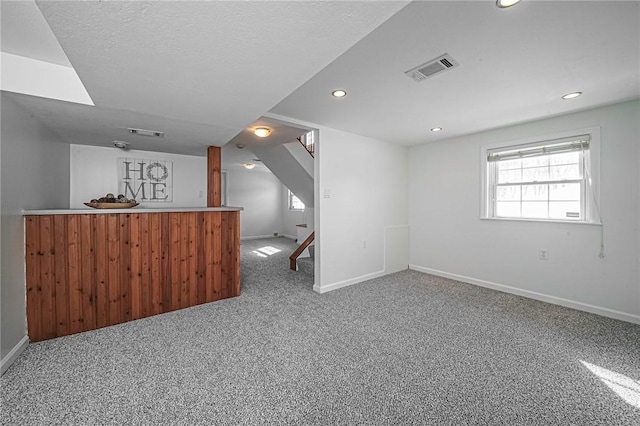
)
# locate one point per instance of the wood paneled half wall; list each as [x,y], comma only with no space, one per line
[86,271]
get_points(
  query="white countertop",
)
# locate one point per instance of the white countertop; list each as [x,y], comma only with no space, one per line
[134,210]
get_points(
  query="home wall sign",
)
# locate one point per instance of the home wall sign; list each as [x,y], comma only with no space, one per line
[146,180]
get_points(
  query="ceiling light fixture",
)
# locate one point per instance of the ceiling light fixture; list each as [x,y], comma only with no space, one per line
[339,93]
[572,95]
[436,129]
[249,166]
[262,132]
[122,145]
[503,4]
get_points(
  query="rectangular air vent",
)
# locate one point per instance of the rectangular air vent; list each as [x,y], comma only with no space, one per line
[143,132]
[431,68]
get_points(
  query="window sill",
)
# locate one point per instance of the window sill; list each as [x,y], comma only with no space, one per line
[572,222]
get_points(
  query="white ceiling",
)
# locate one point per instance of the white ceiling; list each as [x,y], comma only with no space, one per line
[203,72]
[25,32]
[199,71]
[515,64]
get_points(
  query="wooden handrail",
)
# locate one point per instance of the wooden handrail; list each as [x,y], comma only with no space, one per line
[294,256]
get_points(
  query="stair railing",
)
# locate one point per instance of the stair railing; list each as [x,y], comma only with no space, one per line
[294,256]
[308,143]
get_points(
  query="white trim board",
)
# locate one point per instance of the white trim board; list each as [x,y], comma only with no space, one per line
[13,354]
[346,283]
[260,237]
[605,312]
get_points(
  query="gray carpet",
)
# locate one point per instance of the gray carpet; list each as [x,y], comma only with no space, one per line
[409,348]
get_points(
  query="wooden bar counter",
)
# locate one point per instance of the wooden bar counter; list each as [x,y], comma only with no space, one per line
[87,269]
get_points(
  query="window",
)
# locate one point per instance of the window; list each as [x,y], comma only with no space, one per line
[545,180]
[294,202]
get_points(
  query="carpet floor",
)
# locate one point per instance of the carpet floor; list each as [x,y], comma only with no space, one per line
[408,348]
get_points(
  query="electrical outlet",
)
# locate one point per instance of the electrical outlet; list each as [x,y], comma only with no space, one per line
[543,254]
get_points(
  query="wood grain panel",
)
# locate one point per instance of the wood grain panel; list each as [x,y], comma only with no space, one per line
[87,276]
[113,269]
[48,297]
[94,270]
[135,269]
[74,272]
[34,284]
[214,177]
[101,278]
[60,278]
[146,295]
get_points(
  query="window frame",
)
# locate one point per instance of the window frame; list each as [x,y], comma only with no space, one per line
[590,167]
[290,197]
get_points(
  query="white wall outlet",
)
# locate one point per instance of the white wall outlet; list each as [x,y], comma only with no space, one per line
[543,254]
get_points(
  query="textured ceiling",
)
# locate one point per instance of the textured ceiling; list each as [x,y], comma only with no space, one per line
[515,64]
[203,72]
[25,32]
[216,65]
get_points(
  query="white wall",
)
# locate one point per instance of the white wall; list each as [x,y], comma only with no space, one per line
[94,173]
[449,239]
[361,190]
[34,175]
[260,194]
[290,218]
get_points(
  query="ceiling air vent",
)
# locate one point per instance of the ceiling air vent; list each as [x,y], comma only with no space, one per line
[143,132]
[431,68]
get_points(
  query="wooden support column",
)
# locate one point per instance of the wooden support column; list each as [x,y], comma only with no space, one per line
[214,178]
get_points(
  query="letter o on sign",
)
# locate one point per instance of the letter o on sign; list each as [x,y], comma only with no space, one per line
[158,177]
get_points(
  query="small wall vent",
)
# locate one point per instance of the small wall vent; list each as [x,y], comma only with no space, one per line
[431,68]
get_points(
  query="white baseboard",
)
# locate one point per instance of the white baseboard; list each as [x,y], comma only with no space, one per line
[345,283]
[606,312]
[259,237]
[13,354]
[291,237]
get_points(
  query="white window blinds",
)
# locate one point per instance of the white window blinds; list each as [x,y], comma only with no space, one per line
[556,146]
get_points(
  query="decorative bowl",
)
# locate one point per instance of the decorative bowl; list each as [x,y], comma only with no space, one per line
[111,205]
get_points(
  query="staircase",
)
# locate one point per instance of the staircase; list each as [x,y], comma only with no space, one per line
[306,265]
[293,164]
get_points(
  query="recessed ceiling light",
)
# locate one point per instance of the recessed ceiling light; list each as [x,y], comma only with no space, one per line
[436,129]
[262,132]
[503,4]
[572,95]
[122,145]
[339,93]
[249,166]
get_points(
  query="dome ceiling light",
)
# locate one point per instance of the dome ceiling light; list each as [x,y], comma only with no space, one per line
[262,132]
